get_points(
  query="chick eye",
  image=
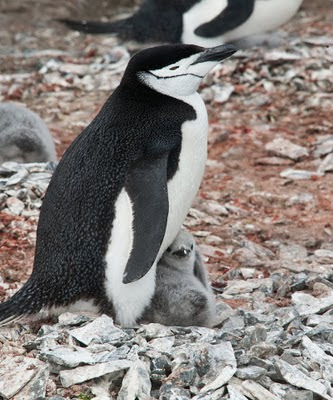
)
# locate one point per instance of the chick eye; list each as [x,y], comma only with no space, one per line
[191,246]
[175,67]
[169,249]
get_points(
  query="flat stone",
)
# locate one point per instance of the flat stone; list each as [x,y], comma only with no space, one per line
[298,395]
[83,374]
[16,372]
[306,304]
[68,356]
[136,383]
[258,391]
[292,252]
[235,394]
[316,354]
[101,330]
[299,174]
[327,164]
[284,148]
[15,205]
[297,378]
[250,372]
[273,161]
[222,366]
[36,388]
[324,148]
[71,319]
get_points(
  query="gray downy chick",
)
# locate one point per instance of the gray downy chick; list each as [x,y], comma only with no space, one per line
[183,295]
[24,137]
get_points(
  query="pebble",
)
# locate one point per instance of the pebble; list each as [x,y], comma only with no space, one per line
[82,374]
[299,174]
[284,148]
[327,164]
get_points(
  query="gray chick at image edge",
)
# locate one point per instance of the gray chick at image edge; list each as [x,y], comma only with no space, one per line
[122,190]
[202,22]
[183,295]
[24,137]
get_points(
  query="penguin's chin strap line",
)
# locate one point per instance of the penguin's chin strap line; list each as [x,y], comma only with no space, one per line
[175,76]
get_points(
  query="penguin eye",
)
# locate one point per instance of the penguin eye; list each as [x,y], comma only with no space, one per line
[169,249]
[191,246]
[175,67]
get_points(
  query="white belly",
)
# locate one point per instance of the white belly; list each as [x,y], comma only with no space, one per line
[267,15]
[129,300]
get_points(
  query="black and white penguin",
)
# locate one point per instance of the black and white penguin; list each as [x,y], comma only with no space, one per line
[122,190]
[201,22]
[183,295]
[24,137]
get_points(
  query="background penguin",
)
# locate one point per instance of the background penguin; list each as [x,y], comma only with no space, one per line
[122,190]
[183,295]
[24,137]
[200,22]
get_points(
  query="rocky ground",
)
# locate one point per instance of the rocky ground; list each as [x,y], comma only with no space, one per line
[263,218]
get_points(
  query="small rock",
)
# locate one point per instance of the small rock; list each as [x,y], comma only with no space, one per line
[299,174]
[292,252]
[15,205]
[273,161]
[101,330]
[250,372]
[16,372]
[327,164]
[222,92]
[284,148]
[235,394]
[298,395]
[82,374]
[136,383]
[70,319]
[297,378]
[258,391]
[67,356]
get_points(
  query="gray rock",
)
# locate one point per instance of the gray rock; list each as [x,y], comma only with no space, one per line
[306,304]
[258,391]
[317,355]
[83,374]
[284,148]
[68,356]
[299,395]
[235,394]
[36,388]
[101,330]
[136,383]
[250,372]
[17,372]
[152,331]
[299,174]
[327,164]
[15,205]
[324,148]
[292,252]
[222,366]
[71,319]
[170,392]
[297,378]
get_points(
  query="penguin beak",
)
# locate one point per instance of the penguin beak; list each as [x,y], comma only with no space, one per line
[216,54]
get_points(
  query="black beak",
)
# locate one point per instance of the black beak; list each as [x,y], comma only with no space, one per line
[216,54]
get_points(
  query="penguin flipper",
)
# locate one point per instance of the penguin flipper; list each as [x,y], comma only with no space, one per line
[94,27]
[147,188]
[236,13]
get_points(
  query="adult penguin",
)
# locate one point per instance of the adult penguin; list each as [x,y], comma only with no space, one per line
[200,22]
[122,190]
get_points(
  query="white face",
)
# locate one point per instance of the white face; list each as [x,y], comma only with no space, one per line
[179,79]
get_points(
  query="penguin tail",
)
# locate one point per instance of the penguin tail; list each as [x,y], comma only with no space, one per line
[95,27]
[22,304]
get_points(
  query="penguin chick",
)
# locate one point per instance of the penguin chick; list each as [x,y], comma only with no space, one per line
[24,137]
[201,22]
[183,295]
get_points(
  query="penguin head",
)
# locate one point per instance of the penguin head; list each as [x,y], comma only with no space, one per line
[175,70]
[181,251]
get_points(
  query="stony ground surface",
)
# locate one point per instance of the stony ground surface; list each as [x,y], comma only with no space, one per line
[263,218]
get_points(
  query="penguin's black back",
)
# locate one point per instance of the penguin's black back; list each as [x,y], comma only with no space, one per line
[79,206]
[154,21]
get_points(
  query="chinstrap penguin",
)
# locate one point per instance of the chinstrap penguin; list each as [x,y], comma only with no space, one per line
[122,190]
[183,295]
[24,137]
[201,22]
